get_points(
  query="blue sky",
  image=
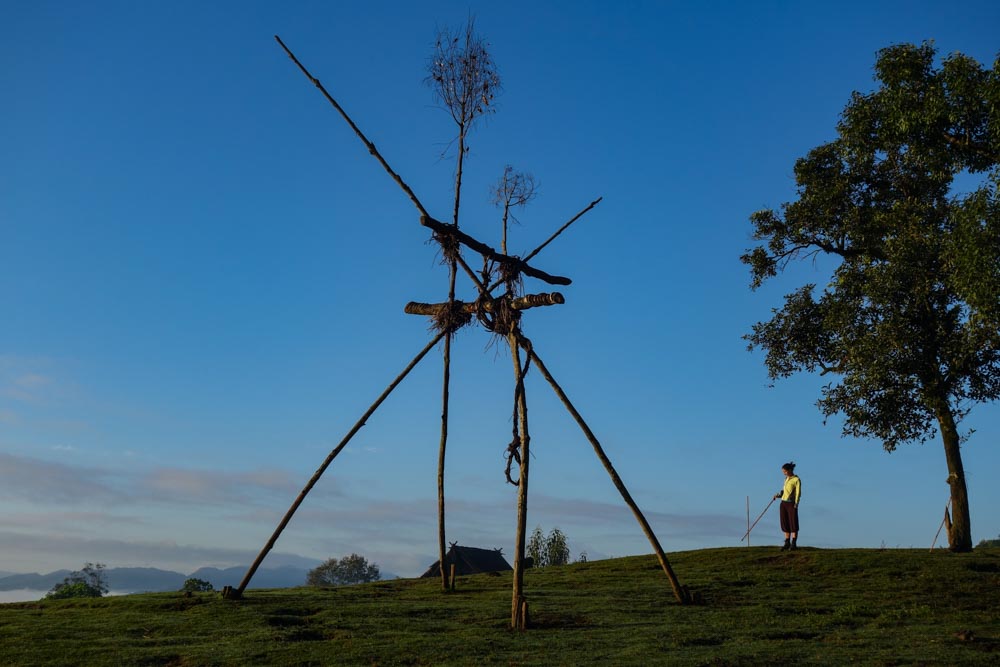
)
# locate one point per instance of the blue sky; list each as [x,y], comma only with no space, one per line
[203,273]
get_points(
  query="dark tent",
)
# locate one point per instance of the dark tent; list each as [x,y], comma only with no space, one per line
[470,560]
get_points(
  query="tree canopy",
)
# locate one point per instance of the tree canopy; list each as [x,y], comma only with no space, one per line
[904,201]
[89,582]
[551,550]
[353,569]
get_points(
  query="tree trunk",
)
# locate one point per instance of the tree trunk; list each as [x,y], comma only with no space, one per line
[960,531]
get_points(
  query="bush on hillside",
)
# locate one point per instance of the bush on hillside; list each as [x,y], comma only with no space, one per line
[89,582]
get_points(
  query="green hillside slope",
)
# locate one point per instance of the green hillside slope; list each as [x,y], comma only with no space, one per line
[762,606]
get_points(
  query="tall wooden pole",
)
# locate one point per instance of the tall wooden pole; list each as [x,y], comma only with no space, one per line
[680,593]
[326,463]
[517,620]
[441,455]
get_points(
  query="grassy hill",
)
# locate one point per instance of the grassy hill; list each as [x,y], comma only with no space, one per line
[762,606]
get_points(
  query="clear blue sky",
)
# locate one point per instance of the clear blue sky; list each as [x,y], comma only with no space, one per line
[203,273]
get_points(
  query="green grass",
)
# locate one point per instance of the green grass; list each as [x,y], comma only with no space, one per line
[762,606]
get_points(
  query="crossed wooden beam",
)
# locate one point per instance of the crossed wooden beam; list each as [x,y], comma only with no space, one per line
[500,314]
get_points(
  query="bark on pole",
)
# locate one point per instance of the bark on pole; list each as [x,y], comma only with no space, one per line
[682,596]
[517,595]
[326,463]
[489,305]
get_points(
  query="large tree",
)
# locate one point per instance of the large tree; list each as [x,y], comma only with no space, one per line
[908,323]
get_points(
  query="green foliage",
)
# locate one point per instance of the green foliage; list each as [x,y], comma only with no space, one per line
[763,607]
[535,549]
[551,550]
[909,322]
[989,543]
[195,585]
[353,569]
[72,589]
[89,582]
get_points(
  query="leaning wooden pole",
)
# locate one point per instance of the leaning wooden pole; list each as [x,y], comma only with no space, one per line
[326,463]
[679,592]
[361,135]
[518,621]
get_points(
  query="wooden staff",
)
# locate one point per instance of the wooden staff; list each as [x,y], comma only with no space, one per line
[238,593]
[683,597]
[747,534]
[944,521]
[748,520]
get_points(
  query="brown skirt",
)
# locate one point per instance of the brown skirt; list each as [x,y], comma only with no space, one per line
[789,517]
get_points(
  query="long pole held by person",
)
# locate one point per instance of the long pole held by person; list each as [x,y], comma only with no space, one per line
[745,536]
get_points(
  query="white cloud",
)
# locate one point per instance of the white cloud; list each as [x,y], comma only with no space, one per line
[58,511]
[31,553]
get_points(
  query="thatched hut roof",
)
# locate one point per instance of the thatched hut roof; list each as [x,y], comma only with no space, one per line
[470,560]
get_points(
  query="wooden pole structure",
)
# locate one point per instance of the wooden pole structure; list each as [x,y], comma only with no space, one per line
[518,602]
[552,238]
[238,593]
[489,305]
[683,597]
[490,253]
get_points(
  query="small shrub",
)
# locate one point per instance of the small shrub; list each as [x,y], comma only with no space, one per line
[194,585]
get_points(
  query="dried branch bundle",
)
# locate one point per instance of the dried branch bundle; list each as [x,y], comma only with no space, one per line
[462,74]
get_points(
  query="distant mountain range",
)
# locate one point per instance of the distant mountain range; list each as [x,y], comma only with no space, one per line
[151,579]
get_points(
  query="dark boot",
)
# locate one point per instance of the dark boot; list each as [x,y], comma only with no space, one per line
[786,546]
[794,546]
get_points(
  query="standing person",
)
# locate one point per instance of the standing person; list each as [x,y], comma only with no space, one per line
[790,495]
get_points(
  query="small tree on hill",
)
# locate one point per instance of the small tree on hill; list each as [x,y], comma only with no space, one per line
[551,550]
[556,548]
[195,585]
[353,569]
[89,582]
